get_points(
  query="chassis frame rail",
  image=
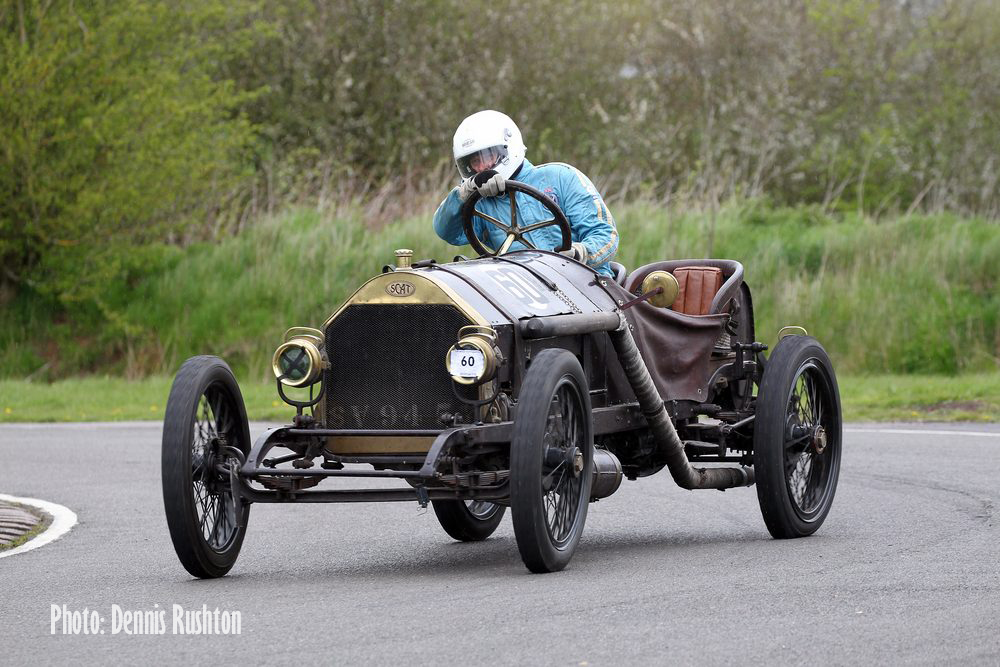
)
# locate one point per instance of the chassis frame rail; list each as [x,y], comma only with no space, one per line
[253,468]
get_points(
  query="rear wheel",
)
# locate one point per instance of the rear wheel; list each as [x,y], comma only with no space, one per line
[552,456]
[468,520]
[205,434]
[797,438]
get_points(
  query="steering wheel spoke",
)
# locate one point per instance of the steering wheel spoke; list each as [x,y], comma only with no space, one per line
[524,240]
[537,225]
[492,220]
[512,195]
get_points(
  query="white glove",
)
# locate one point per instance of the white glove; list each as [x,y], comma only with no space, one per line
[490,183]
[466,188]
[577,251]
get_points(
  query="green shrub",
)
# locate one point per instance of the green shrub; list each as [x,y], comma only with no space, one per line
[117,132]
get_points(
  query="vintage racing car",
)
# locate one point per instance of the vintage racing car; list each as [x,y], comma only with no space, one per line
[520,379]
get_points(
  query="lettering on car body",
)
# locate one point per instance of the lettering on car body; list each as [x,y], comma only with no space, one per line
[512,282]
[376,416]
[401,288]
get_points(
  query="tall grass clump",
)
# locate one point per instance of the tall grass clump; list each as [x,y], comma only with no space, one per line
[911,294]
[917,294]
[236,298]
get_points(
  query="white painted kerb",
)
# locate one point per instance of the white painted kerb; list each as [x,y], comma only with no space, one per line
[63,519]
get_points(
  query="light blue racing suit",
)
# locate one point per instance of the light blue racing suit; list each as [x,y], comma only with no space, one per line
[590,220]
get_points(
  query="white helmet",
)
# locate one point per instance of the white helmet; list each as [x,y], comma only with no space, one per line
[488,139]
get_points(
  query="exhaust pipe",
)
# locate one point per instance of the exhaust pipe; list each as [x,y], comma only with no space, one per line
[686,476]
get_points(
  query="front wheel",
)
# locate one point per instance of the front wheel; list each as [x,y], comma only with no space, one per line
[468,520]
[797,438]
[551,461]
[205,435]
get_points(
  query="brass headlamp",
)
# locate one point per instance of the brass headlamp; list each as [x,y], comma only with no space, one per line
[298,361]
[474,358]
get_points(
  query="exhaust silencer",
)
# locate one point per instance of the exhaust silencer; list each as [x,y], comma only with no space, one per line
[607,474]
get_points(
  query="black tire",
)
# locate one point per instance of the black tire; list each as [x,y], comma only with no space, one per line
[205,403]
[468,520]
[797,438]
[551,461]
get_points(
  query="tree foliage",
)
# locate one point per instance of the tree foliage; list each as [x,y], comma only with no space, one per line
[877,105]
[117,132]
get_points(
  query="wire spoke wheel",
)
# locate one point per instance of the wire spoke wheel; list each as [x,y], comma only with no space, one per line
[204,429]
[807,452]
[797,438]
[562,485]
[551,461]
[214,502]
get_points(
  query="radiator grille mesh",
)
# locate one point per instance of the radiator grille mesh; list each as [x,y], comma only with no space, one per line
[387,367]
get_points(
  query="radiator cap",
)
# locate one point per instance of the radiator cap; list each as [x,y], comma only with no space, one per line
[404,257]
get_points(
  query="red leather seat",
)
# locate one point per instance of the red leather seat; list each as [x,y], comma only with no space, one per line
[698,286]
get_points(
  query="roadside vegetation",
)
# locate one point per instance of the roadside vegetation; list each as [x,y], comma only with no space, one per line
[188,177]
[904,295]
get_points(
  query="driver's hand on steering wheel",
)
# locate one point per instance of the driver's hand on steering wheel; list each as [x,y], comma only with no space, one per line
[489,183]
[466,188]
[577,251]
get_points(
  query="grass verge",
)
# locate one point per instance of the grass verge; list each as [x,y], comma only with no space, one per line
[970,397]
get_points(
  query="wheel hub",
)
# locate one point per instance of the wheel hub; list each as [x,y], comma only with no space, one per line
[819,439]
[571,458]
[575,457]
[208,475]
[211,457]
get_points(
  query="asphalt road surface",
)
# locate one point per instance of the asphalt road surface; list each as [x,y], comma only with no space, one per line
[906,569]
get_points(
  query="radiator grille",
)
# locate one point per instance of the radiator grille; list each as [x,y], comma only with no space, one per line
[387,367]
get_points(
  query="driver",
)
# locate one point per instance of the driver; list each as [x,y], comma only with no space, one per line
[489,151]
